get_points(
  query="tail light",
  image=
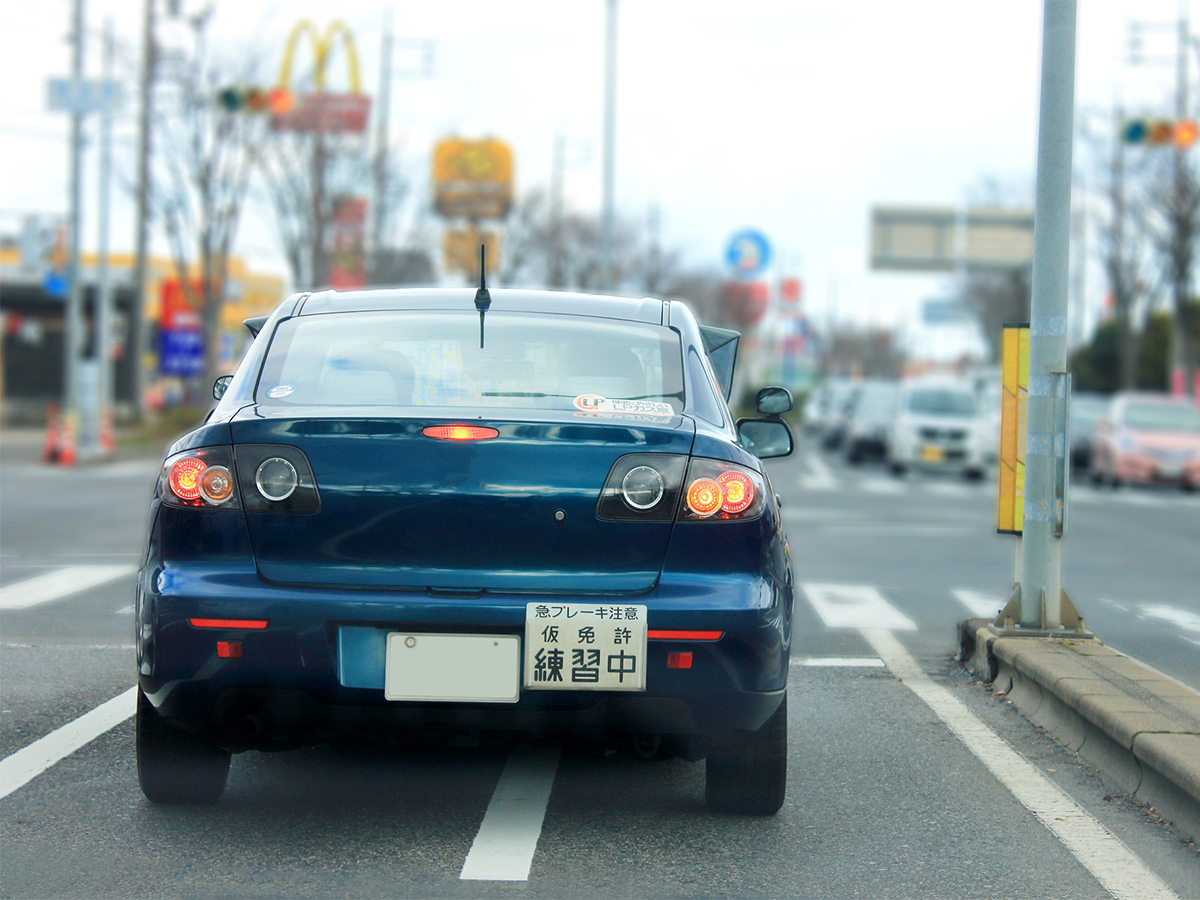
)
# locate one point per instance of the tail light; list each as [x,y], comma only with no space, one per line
[200,478]
[253,477]
[663,487]
[722,492]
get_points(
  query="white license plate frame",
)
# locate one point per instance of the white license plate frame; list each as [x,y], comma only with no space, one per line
[460,668]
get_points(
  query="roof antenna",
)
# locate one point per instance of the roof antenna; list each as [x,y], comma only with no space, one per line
[483,300]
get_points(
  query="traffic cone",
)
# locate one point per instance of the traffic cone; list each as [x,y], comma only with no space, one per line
[108,441]
[50,444]
[67,453]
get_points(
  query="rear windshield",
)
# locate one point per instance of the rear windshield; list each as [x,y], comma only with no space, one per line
[424,358]
[1162,417]
[941,402]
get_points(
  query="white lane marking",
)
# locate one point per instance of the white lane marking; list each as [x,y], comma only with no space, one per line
[822,477]
[882,486]
[979,604]
[503,849]
[58,584]
[837,662]
[855,606]
[901,530]
[1114,865]
[1179,618]
[27,763]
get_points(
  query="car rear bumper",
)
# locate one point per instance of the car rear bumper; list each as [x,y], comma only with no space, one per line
[1148,470]
[317,669]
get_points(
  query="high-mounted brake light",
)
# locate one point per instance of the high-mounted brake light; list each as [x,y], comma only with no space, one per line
[460,432]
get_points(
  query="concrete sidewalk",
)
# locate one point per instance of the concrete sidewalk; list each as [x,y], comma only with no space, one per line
[1138,726]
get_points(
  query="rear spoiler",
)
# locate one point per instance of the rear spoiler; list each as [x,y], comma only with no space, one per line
[722,347]
[256,324]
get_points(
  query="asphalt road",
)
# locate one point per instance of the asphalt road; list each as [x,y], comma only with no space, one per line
[886,799]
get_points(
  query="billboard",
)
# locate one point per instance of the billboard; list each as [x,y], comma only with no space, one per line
[321,111]
[472,179]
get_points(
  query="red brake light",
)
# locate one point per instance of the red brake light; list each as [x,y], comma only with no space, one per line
[737,491]
[185,477]
[460,432]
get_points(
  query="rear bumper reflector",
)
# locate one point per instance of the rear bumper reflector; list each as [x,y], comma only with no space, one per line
[248,624]
[662,634]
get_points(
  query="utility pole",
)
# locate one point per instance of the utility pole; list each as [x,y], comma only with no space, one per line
[1181,363]
[1039,596]
[72,323]
[610,106]
[99,440]
[138,325]
[382,110]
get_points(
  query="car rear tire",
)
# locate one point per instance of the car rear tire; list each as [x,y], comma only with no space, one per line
[746,771]
[174,766]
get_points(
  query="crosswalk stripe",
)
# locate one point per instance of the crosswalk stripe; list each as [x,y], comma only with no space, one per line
[979,604]
[60,583]
[855,606]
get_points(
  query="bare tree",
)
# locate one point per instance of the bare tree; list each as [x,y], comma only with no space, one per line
[1174,197]
[1120,236]
[205,161]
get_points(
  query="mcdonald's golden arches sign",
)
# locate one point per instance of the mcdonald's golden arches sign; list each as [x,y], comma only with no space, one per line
[322,111]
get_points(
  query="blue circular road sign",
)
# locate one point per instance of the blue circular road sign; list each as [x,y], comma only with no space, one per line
[748,254]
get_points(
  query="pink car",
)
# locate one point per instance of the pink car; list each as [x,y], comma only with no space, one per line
[1150,439]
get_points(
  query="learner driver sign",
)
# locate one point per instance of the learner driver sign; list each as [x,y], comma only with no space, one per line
[585,646]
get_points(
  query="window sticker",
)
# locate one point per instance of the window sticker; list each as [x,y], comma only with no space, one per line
[281,390]
[595,403]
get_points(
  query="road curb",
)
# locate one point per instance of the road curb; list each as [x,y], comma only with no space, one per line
[1138,726]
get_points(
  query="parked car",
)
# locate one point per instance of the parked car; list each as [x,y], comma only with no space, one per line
[1147,438]
[938,426]
[1086,410]
[869,421]
[447,511]
[825,406]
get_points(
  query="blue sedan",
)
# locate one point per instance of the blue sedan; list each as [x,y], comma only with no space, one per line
[447,512]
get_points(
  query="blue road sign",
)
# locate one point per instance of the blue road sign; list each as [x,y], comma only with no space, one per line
[181,353]
[748,254]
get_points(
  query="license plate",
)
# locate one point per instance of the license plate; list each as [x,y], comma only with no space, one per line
[585,646]
[482,668]
[932,453]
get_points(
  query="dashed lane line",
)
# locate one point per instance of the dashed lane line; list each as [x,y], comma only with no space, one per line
[59,584]
[29,762]
[504,847]
[1114,865]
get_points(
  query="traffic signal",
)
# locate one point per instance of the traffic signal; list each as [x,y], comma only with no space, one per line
[278,101]
[1181,133]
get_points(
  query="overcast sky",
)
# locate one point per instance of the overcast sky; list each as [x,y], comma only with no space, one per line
[788,116]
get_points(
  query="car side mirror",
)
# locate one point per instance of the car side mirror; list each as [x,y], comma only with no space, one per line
[773,401]
[220,386]
[765,438]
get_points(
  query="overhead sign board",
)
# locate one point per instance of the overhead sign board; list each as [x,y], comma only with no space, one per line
[914,239]
[85,96]
[472,179]
[943,239]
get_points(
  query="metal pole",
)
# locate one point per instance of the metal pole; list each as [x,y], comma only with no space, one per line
[137,329]
[72,320]
[1041,558]
[1179,361]
[104,380]
[610,104]
[382,112]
